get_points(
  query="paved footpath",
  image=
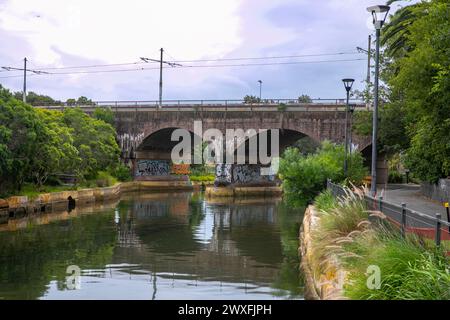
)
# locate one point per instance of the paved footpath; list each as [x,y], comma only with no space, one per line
[410,194]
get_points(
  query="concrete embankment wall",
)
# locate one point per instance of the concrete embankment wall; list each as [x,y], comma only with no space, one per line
[18,206]
[324,279]
[241,191]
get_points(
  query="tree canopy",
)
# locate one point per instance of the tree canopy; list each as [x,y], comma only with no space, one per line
[36,143]
[415,118]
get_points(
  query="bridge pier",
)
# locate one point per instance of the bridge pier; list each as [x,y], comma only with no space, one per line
[243,180]
[158,168]
[242,174]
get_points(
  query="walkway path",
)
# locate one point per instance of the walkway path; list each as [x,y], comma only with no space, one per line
[410,194]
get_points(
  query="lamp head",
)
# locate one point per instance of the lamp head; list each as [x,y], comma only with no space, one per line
[348,83]
[379,14]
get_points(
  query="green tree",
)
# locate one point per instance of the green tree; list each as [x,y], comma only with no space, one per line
[57,154]
[37,99]
[94,140]
[419,81]
[104,114]
[251,99]
[304,98]
[83,100]
[415,102]
[20,129]
[71,102]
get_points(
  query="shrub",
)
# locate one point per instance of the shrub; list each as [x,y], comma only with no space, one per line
[282,107]
[202,178]
[104,179]
[306,175]
[122,172]
[395,177]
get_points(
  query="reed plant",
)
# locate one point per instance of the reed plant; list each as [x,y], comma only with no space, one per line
[355,238]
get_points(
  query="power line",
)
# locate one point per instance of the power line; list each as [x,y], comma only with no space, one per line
[201,66]
[191,61]
[92,66]
[269,58]
[269,63]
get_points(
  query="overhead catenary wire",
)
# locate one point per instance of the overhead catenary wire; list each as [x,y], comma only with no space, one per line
[201,66]
[196,61]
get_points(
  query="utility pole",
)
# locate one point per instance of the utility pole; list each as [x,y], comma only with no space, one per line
[25,80]
[161,62]
[25,70]
[368,59]
[160,78]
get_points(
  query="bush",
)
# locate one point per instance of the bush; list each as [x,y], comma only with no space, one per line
[104,179]
[395,177]
[203,178]
[122,172]
[282,107]
[306,175]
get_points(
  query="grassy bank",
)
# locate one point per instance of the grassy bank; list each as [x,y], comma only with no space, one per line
[410,267]
[103,179]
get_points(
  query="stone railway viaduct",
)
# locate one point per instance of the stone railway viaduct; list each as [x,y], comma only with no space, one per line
[144,132]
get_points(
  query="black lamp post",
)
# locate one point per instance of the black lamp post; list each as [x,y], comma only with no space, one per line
[379,14]
[348,83]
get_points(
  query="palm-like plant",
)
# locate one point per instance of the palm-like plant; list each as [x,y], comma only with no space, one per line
[396,33]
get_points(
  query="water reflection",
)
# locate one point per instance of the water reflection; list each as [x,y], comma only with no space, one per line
[157,246]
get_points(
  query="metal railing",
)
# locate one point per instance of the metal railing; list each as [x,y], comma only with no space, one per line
[228,103]
[406,219]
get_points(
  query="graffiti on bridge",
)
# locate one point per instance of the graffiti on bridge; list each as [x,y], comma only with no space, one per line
[152,168]
[240,174]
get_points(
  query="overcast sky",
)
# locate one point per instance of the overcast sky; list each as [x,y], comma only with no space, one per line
[52,33]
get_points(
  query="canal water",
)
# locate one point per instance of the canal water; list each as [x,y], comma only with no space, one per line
[155,246]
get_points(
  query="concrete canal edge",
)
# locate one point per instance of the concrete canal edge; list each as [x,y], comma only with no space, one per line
[240,191]
[18,206]
[318,285]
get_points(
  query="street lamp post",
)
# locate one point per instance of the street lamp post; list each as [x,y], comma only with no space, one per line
[260,85]
[379,14]
[348,83]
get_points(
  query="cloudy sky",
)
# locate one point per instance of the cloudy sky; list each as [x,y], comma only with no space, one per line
[69,33]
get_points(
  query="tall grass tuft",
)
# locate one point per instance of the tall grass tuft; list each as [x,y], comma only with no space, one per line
[325,201]
[411,268]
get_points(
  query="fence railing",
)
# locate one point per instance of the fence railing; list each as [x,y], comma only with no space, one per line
[406,219]
[229,103]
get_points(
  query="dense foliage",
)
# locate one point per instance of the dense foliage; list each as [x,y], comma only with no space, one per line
[304,98]
[36,144]
[415,119]
[306,174]
[36,99]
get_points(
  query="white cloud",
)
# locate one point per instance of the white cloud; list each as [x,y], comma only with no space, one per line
[117,31]
[82,32]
